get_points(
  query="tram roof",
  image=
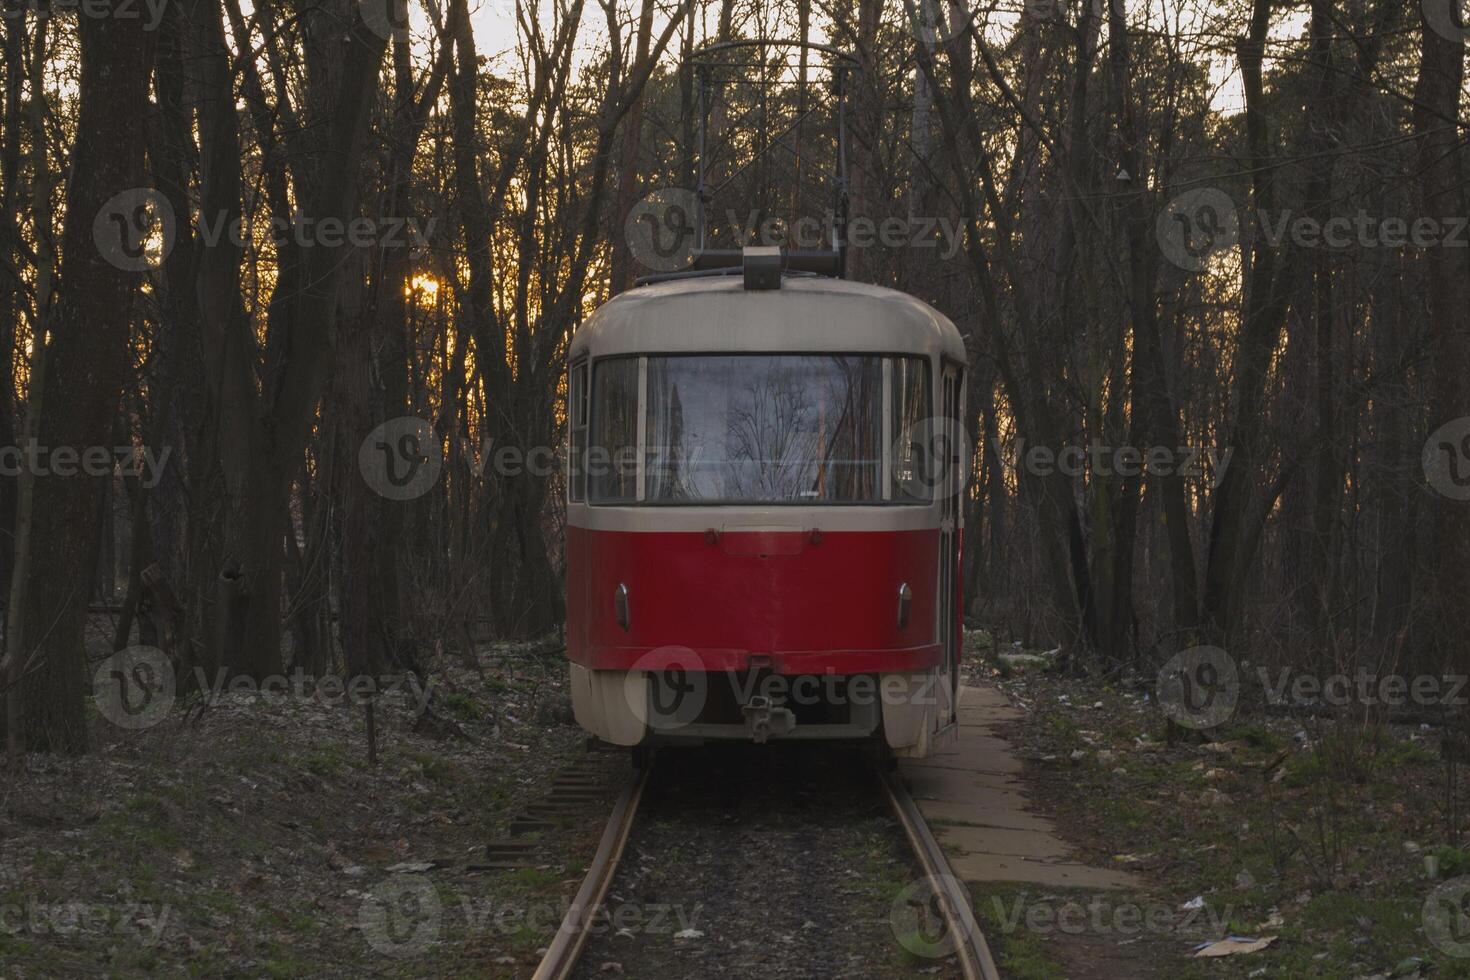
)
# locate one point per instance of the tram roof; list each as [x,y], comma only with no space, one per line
[807,314]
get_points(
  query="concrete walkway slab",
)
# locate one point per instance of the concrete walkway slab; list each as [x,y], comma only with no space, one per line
[978,752]
[1048,874]
[989,704]
[974,799]
[942,814]
[1003,842]
[964,786]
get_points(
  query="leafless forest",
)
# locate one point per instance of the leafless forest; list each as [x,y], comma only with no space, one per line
[287,291]
[1210,261]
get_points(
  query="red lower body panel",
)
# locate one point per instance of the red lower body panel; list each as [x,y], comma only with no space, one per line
[791,601]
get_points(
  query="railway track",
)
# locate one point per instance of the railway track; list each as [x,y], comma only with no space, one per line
[951,899]
[571,937]
[954,900]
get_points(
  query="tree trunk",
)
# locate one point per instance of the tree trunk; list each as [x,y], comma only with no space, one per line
[1442,195]
[265,432]
[628,166]
[1268,293]
[84,369]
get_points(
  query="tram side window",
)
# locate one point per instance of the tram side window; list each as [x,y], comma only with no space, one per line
[912,409]
[611,462]
[577,423]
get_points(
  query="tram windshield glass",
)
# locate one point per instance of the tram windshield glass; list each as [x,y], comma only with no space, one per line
[753,429]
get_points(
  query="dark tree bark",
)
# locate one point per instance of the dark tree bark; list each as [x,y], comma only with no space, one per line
[85,364]
[265,431]
[1441,155]
[13,288]
[1268,292]
[630,159]
[370,386]
[517,364]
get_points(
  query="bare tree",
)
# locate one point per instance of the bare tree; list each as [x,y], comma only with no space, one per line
[82,362]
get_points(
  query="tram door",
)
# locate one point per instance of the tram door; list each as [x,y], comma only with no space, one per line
[951,487]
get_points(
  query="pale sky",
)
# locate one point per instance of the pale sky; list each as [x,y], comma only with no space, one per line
[494,25]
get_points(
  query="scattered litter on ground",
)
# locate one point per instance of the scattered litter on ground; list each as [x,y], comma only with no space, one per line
[1233,945]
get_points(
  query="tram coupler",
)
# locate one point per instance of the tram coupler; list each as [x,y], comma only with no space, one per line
[764,719]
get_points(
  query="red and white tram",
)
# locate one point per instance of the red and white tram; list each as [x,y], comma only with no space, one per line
[763,523]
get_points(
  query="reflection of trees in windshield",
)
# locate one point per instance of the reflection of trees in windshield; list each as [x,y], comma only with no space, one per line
[848,466]
[769,431]
[764,428]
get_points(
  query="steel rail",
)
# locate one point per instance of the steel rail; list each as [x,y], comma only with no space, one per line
[954,900]
[571,938]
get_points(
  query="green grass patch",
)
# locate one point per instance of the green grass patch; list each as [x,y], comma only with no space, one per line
[435,769]
[461,706]
[1019,952]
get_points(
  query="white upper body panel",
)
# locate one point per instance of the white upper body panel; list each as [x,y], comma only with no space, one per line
[807,314]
